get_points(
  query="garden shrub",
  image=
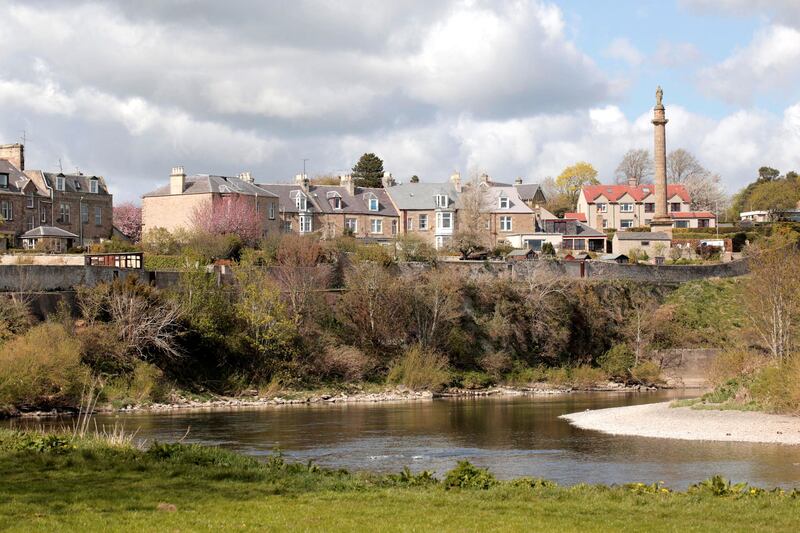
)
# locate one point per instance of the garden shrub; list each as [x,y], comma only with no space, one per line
[419,368]
[617,361]
[468,476]
[346,362]
[42,369]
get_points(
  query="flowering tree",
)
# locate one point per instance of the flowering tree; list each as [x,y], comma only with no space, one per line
[229,215]
[128,219]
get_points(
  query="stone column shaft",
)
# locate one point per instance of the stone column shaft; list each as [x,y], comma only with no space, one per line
[660,156]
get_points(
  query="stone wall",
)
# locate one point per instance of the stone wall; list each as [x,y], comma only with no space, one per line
[686,367]
[42,259]
[42,278]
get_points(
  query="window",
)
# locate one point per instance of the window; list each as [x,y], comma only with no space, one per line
[703,223]
[567,244]
[84,213]
[63,213]
[98,216]
[93,186]
[42,215]
[30,201]
[410,224]
[605,223]
[394,227]
[579,244]
[376,225]
[6,210]
[441,200]
[602,207]
[272,210]
[534,244]
[645,243]
[351,224]
[373,204]
[423,222]
[444,220]
[505,223]
[649,207]
[626,208]
[675,206]
[504,202]
[4,181]
[301,202]
[626,223]
[287,226]
[31,222]
[681,223]
[336,202]
[60,182]
[305,223]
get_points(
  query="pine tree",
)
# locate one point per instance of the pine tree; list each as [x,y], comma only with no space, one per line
[368,171]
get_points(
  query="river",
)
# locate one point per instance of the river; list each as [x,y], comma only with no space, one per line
[513,436]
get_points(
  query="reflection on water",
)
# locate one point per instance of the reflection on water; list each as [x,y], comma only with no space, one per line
[513,436]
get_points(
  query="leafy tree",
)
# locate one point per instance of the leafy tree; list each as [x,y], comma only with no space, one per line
[573,178]
[414,179]
[768,174]
[128,219]
[636,166]
[368,171]
[235,215]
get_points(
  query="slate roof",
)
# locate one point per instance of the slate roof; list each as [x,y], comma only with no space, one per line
[421,196]
[320,195]
[16,179]
[571,228]
[638,193]
[48,231]
[642,236]
[78,183]
[527,190]
[516,204]
[205,183]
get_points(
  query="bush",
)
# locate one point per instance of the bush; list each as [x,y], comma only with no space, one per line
[777,387]
[733,363]
[145,384]
[646,373]
[42,369]
[617,361]
[496,363]
[585,376]
[156,263]
[524,375]
[468,476]
[346,362]
[548,249]
[414,248]
[475,380]
[420,369]
[374,253]
[15,318]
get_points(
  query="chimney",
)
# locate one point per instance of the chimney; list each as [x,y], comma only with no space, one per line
[177,180]
[633,181]
[302,181]
[518,181]
[455,179]
[246,176]
[387,180]
[14,154]
[598,221]
[485,178]
[346,181]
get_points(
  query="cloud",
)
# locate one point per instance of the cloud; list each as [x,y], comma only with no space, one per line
[788,11]
[676,55]
[622,50]
[769,63]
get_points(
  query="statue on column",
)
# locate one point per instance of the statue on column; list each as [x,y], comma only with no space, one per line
[659,96]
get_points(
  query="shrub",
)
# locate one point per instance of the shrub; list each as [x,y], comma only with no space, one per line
[468,476]
[374,253]
[617,361]
[523,375]
[144,384]
[15,318]
[496,363]
[586,376]
[42,368]
[164,262]
[420,369]
[548,249]
[736,362]
[414,248]
[346,362]
[475,380]
[646,373]
[501,250]
[778,387]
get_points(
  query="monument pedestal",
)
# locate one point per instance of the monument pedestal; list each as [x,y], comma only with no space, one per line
[662,226]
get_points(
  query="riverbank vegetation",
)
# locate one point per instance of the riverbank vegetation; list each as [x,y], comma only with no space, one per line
[157,487]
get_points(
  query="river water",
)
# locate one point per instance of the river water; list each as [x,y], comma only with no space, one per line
[513,436]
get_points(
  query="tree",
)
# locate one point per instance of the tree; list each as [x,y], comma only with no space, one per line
[435,306]
[703,187]
[575,177]
[325,179]
[128,219]
[414,179]
[768,174]
[368,172]
[636,167]
[234,215]
[471,235]
[299,273]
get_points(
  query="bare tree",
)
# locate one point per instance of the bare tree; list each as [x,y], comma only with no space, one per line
[635,168]
[704,187]
[436,304]
[145,326]
[471,233]
[299,273]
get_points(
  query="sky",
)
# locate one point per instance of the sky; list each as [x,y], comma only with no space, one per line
[512,88]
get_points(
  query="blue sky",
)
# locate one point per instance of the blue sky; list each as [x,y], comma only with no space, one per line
[509,87]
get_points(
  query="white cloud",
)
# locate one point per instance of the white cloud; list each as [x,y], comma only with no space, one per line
[622,50]
[676,54]
[769,63]
[788,11]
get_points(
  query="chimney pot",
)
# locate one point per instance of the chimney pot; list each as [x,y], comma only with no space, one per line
[518,181]
[177,180]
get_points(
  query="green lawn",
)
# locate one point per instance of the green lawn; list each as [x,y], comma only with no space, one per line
[53,485]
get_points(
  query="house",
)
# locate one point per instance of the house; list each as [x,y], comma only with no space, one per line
[755,216]
[427,209]
[622,207]
[334,210]
[175,205]
[530,193]
[48,238]
[77,203]
[653,243]
[506,212]
[575,235]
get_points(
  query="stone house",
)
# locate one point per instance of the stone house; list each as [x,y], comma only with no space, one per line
[427,210]
[530,193]
[575,235]
[76,203]
[622,207]
[653,243]
[174,206]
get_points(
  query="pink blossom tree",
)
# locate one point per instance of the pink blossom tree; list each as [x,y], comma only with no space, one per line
[128,219]
[229,215]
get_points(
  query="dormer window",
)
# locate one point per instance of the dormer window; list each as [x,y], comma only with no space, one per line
[504,202]
[60,182]
[77,184]
[372,202]
[93,186]
[301,202]
[441,200]
[335,199]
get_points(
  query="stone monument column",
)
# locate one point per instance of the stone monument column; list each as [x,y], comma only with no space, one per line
[661,219]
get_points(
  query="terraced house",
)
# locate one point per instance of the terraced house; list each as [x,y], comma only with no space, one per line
[34,204]
[334,210]
[427,209]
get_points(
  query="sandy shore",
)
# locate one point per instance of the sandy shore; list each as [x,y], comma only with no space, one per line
[662,421]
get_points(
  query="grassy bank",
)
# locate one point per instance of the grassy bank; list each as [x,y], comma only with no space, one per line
[52,483]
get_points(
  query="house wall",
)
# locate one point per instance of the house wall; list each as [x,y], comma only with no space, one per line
[429,234]
[624,247]
[520,223]
[334,224]
[171,212]
[91,232]
[614,214]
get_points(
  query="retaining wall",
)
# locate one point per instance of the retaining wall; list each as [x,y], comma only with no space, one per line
[38,278]
[686,367]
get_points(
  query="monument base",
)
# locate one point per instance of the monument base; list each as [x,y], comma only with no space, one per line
[662,226]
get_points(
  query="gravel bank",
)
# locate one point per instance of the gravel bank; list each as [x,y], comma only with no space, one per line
[662,421]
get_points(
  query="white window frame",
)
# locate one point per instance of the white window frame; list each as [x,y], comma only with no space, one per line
[301,202]
[61,182]
[31,201]
[504,202]
[506,223]
[394,227]
[337,202]
[626,207]
[441,217]
[626,223]
[374,205]
[7,210]
[441,200]
[352,227]
[31,221]
[93,186]
[4,180]
[98,216]
[423,222]
[306,224]
[271,210]
[602,207]
[376,225]
[42,214]
[409,224]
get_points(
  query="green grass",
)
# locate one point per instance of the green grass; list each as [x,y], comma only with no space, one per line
[54,484]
